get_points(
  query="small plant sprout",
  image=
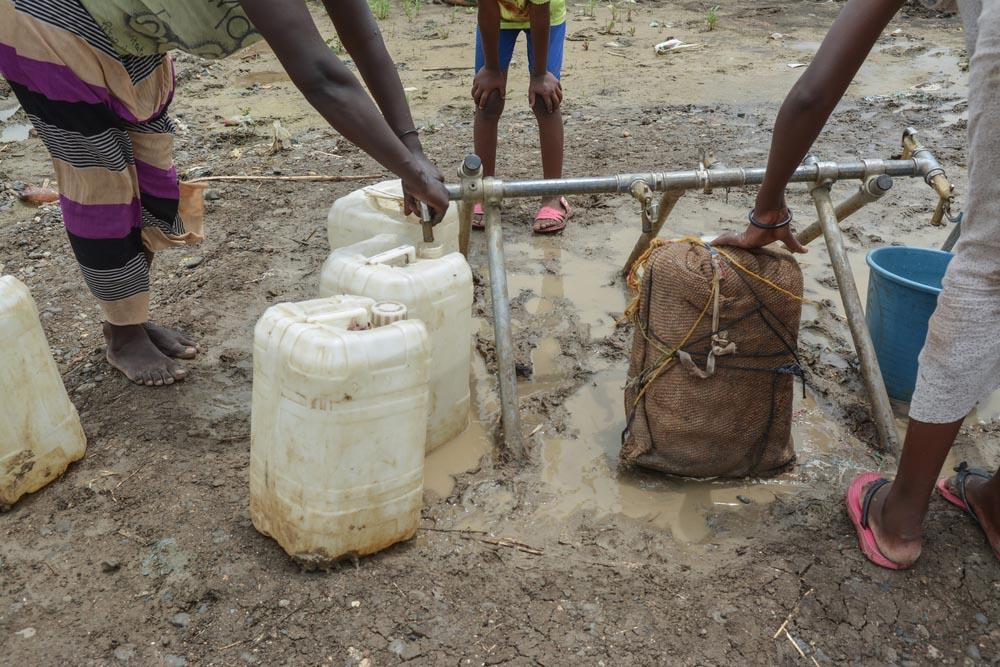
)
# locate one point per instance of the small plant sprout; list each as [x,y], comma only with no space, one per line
[712,18]
[591,8]
[629,8]
[380,9]
[454,14]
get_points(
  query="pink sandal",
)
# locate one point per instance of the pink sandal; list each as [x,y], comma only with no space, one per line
[858,506]
[557,218]
[960,500]
[480,222]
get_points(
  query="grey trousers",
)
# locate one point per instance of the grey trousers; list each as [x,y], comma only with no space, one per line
[960,362]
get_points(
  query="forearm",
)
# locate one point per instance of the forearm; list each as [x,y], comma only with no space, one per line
[489,32]
[812,100]
[539,16]
[359,33]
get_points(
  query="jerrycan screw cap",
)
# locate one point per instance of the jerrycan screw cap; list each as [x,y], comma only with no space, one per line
[430,252]
[387,312]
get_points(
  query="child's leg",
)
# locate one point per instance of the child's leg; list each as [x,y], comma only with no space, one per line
[550,125]
[488,117]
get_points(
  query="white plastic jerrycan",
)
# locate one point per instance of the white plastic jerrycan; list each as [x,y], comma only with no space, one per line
[378,209]
[435,290]
[338,424]
[40,432]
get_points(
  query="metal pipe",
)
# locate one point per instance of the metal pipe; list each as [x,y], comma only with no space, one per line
[696,179]
[871,190]
[870,371]
[667,202]
[471,175]
[512,436]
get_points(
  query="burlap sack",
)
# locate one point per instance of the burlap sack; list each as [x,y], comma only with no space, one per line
[736,422]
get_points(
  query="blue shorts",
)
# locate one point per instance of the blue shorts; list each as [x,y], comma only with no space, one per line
[508,38]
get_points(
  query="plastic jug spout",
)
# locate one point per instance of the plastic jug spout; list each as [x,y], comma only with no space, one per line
[430,252]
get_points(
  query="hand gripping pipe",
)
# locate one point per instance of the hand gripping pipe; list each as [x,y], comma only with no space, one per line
[876,180]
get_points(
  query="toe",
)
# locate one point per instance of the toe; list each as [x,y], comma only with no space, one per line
[157,376]
[178,372]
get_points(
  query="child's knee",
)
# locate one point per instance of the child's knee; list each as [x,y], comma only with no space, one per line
[494,107]
[541,110]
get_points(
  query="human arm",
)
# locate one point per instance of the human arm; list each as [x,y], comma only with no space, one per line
[338,96]
[544,86]
[806,110]
[360,35]
[489,78]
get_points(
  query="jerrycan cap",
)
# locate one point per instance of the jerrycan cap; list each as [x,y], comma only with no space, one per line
[387,312]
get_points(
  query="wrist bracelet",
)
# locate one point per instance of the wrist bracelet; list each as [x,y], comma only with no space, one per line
[406,133]
[784,223]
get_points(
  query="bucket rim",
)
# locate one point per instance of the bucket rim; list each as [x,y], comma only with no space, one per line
[872,257]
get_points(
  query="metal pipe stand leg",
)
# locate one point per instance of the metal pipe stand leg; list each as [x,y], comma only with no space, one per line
[668,200]
[870,371]
[512,436]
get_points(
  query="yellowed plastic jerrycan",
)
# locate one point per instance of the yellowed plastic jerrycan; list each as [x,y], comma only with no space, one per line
[378,209]
[338,423]
[436,289]
[40,431]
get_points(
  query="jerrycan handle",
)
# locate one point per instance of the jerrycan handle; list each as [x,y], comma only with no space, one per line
[401,256]
[353,319]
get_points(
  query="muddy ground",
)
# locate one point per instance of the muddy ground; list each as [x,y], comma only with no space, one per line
[144,552]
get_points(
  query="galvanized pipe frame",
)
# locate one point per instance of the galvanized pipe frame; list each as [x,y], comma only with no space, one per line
[474,188]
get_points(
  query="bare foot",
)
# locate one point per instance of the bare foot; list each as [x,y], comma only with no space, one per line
[898,544]
[985,503]
[170,342]
[131,351]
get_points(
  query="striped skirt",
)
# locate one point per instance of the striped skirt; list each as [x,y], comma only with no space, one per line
[103,118]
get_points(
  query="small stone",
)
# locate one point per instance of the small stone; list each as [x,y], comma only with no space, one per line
[284,603]
[192,262]
[213,195]
[981,619]
[124,653]
[36,255]
[110,566]
[365,662]
[86,387]
[175,661]
[743,499]
[973,652]
[296,632]
[27,633]
[67,599]
[397,646]
[355,604]
[249,658]
[923,632]
[933,653]
[180,620]
[626,134]
[702,632]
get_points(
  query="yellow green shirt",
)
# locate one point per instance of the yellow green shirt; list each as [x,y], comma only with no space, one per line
[514,13]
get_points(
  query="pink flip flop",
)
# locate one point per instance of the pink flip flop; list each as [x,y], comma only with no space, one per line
[479,223]
[858,505]
[962,474]
[548,214]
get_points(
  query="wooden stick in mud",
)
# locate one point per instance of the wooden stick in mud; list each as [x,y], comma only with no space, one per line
[316,179]
[792,613]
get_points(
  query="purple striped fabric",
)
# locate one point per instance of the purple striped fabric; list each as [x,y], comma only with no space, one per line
[100,221]
[57,82]
[157,182]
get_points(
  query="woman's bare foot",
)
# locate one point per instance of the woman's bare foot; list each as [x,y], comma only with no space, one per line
[131,351]
[896,538]
[170,342]
[985,501]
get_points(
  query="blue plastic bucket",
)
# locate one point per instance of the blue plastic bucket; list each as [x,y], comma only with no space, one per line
[902,295]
